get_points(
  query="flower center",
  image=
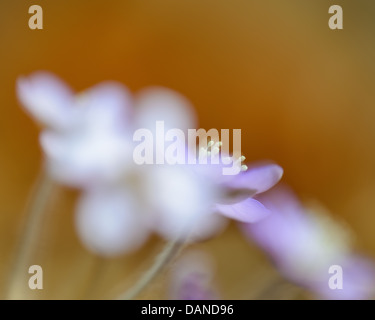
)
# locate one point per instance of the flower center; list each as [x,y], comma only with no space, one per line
[213,150]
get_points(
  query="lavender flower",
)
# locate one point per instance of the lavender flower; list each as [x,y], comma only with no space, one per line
[304,245]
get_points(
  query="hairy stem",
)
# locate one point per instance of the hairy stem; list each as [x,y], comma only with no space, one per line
[35,211]
[170,250]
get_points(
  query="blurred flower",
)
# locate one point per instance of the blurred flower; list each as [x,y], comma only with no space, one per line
[88,141]
[168,199]
[217,195]
[304,245]
[176,201]
[192,278]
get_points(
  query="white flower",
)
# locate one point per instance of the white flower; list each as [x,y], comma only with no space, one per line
[172,200]
[88,142]
[86,139]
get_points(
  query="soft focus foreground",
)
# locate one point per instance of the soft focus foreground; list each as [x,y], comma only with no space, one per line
[300,93]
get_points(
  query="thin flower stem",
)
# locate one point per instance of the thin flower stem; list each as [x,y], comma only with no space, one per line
[170,250]
[35,211]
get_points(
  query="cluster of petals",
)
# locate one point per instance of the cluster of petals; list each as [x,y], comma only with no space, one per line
[87,139]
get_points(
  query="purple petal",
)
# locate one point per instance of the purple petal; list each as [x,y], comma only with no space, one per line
[259,178]
[283,231]
[358,280]
[282,200]
[246,211]
[46,98]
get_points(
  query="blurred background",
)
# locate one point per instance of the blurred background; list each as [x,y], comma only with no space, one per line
[302,94]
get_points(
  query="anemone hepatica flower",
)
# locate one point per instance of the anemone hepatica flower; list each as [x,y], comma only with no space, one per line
[304,245]
[176,201]
[88,141]
[157,191]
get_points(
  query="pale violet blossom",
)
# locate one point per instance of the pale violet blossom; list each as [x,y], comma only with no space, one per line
[305,243]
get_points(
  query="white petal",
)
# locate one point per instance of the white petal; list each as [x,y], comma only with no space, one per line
[47,99]
[109,223]
[182,202]
[161,104]
[106,106]
[84,159]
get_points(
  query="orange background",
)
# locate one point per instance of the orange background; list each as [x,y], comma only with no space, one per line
[302,94]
